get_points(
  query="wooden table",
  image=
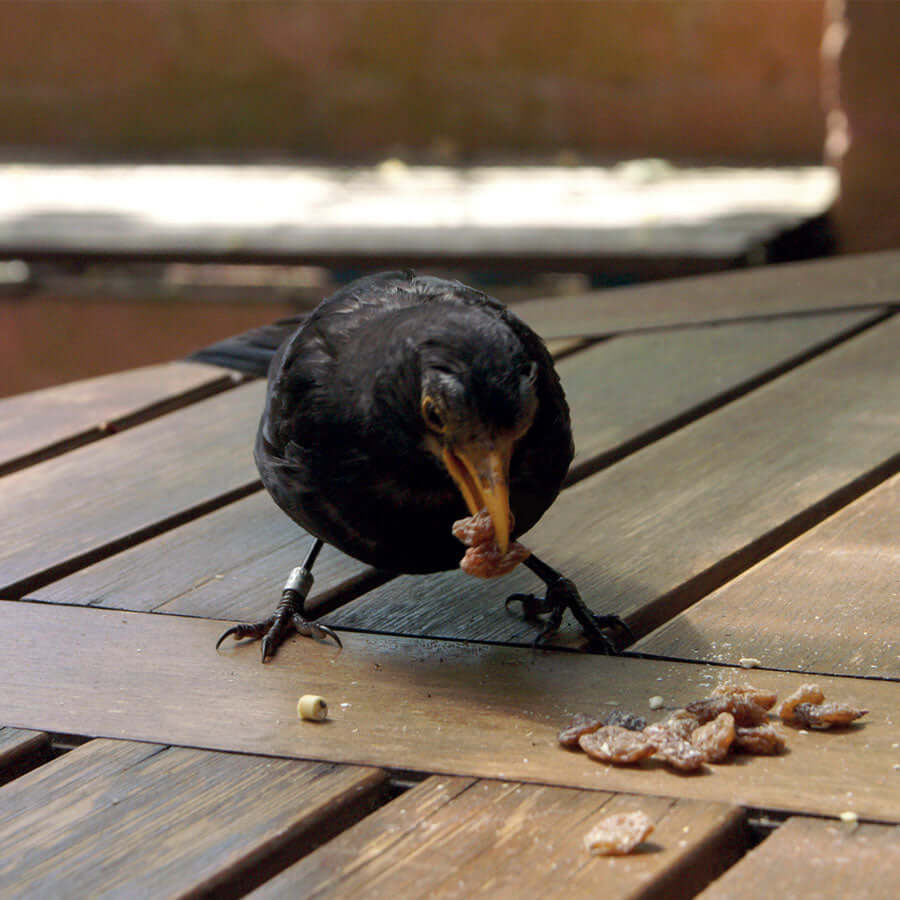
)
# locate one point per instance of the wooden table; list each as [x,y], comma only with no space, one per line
[735,495]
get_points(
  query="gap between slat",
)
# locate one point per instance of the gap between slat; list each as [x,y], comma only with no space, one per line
[269,862]
[749,319]
[579,343]
[670,604]
[121,423]
[40,579]
[690,591]
[728,568]
[271,856]
[21,751]
[588,467]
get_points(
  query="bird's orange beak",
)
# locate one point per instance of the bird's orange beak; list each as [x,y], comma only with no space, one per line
[481,472]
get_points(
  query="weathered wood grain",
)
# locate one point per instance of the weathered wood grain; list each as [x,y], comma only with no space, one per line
[626,392]
[437,707]
[845,282]
[230,562]
[123,819]
[827,602]
[109,398]
[455,837]
[41,424]
[816,858]
[106,495]
[622,393]
[652,534]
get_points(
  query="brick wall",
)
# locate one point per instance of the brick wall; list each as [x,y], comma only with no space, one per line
[733,80]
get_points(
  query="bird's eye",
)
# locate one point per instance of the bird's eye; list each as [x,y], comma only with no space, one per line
[432,416]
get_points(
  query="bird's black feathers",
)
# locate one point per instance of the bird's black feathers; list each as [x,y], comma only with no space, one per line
[341,443]
[252,351]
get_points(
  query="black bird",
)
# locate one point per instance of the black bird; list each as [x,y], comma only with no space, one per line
[399,405]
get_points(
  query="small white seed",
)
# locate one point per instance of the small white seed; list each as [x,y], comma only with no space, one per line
[656,702]
[749,662]
[312,707]
[848,817]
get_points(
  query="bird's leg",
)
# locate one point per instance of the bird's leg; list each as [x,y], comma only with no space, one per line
[562,595]
[288,615]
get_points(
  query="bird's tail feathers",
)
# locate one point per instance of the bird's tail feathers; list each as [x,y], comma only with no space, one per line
[252,351]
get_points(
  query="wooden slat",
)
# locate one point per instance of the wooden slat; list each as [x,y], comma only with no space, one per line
[231,562]
[462,838]
[816,858]
[662,528]
[439,707]
[107,494]
[849,281]
[17,745]
[39,424]
[827,602]
[627,391]
[144,820]
[622,393]
[165,574]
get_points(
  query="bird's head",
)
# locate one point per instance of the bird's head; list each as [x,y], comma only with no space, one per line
[475,407]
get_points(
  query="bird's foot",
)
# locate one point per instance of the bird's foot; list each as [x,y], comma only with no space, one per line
[562,595]
[286,620]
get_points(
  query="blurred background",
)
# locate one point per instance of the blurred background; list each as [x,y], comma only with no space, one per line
[174,171]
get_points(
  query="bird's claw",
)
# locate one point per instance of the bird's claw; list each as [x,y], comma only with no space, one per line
[315,630]
[238,632]
[276,629]
[562,595]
